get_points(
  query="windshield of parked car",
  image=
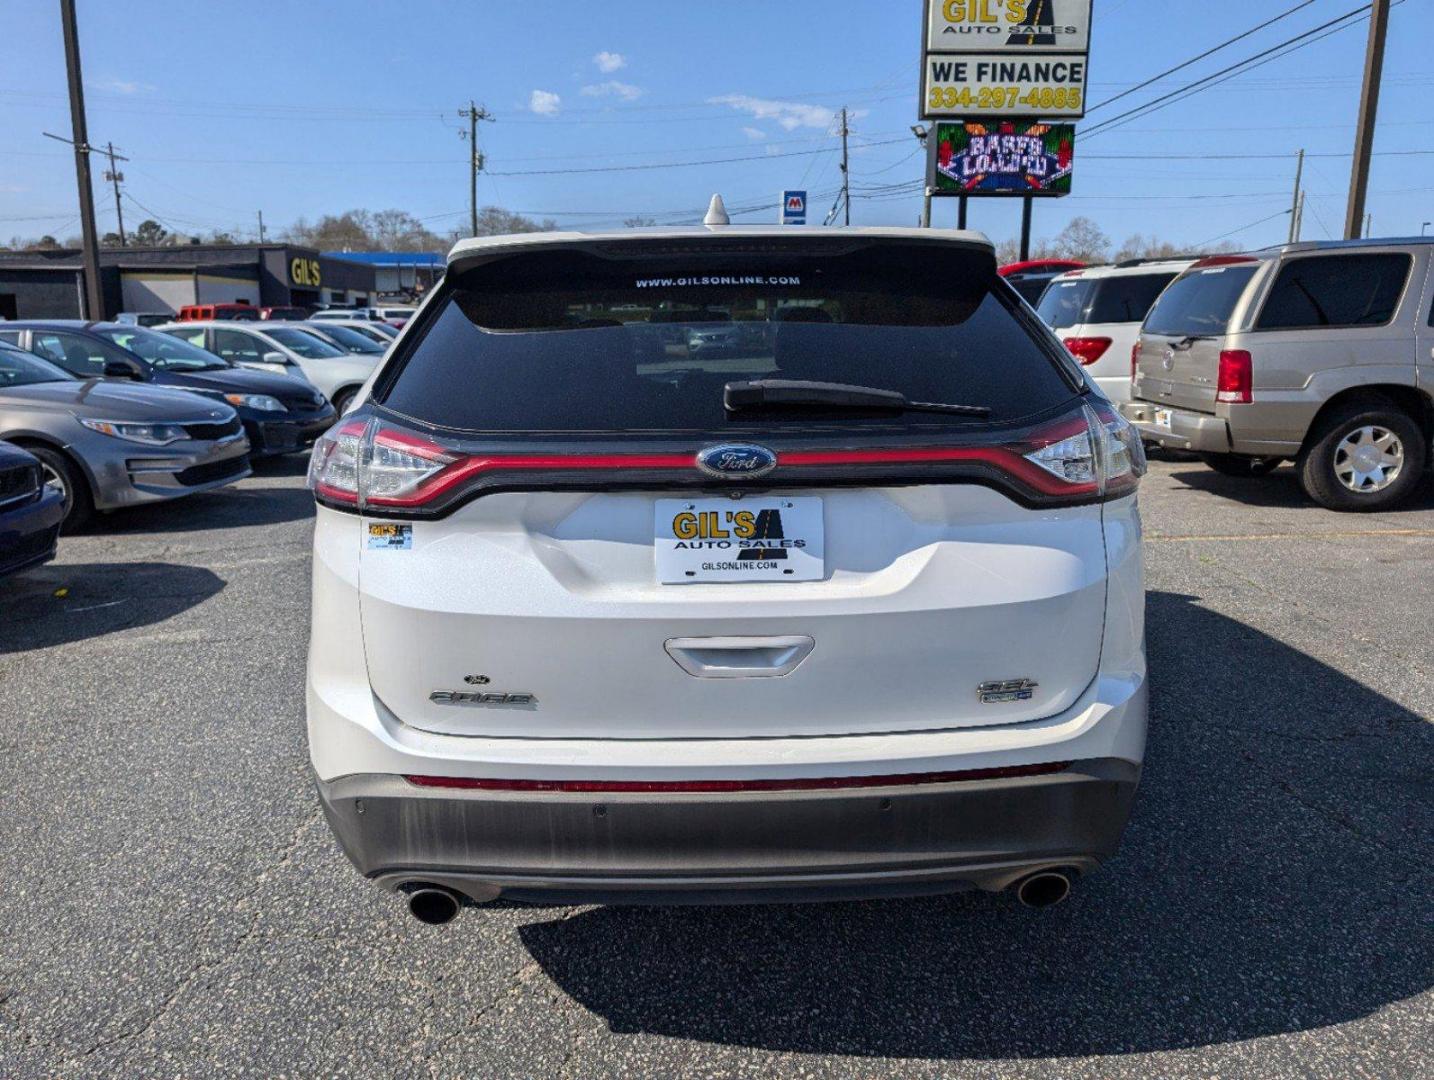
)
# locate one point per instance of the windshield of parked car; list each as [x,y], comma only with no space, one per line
[1200,302]
[572,341]
[352,340]
[306,345]
[162,350]
[19,368]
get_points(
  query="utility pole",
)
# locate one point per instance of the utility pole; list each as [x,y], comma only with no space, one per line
[114,176]
[94,301]
[1299,217]
[845,172]
[1368,107]
[473,114]
[1295,200]
[261,226]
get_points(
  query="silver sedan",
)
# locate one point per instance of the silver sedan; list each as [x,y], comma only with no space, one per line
[105,445]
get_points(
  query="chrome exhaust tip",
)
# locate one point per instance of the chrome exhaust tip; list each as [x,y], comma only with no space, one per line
[433,904]
[1043,889]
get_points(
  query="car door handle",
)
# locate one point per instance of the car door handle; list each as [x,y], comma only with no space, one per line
[739,657]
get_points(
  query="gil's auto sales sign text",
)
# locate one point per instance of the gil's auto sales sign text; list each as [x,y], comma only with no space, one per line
[1005,58]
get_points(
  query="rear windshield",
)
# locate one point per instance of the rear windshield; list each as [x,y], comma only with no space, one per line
[1200,302]
[1064,302]
[1121,299]
[573,341]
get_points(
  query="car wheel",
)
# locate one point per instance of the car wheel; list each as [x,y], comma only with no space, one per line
[1241,464]
[63,475]
[1367,455]
[342,399]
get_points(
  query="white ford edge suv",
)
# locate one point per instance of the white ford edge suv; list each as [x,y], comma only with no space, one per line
[852,607]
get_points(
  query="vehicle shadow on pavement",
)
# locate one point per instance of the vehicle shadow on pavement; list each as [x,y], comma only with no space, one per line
[1281,489]
[61,603]
[1275,878]
[224,508]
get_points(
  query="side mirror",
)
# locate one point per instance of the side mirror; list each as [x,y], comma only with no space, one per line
[274,358]
[120,369]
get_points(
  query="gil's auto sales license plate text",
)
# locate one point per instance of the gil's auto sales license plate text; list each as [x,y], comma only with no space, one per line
[764,539]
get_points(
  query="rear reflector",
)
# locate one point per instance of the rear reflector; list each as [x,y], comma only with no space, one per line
[823,783]
[1235,380]
[1087,349]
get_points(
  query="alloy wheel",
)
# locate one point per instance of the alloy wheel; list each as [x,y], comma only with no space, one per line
[55,481]
[1368,459]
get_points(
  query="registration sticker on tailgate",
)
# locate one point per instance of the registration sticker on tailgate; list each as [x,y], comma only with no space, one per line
[750,539]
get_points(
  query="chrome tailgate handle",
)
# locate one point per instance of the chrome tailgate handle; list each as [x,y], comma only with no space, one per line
[739,657]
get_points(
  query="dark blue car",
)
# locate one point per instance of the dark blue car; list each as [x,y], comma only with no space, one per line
[280,413]
[30,512]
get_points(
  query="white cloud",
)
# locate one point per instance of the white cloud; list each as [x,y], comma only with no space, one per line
[613,88]
[754,133]
[545,103]
[608,62]
[125,86]
[788,114]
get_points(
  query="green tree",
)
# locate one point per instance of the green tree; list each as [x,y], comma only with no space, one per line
[150,233]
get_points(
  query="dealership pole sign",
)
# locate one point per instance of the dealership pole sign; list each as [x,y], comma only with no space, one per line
[1000,157]
[1005,58]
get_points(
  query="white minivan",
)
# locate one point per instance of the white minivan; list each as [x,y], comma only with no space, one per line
[850,607]
[1097,312]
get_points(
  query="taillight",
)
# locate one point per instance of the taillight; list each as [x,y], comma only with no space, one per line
[334,464]
[1134,361]
[1087,349]
[1236,377]
[1120,455]
[1088,454]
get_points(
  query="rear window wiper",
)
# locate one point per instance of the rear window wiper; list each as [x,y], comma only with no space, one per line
[807,394]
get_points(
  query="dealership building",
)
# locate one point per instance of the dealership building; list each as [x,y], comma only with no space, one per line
[50,284]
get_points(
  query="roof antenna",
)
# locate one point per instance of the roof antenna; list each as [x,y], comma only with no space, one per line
[716,213]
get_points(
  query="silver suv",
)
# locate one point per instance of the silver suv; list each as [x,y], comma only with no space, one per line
[1319,352]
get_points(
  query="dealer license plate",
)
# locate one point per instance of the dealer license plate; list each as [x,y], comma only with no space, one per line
[1162,418]
[749,539]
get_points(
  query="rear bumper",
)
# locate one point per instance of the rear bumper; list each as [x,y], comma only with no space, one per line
[763,846]
[1187,430]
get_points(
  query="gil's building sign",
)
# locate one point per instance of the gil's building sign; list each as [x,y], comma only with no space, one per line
[1019,58]
[46,284]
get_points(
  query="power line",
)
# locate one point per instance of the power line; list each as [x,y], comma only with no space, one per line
[1238,68]
[677,164]
[1196,59]
[1241,229]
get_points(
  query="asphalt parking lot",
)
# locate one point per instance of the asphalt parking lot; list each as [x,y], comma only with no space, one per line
[172,903]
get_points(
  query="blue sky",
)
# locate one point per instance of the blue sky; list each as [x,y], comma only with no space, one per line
[303,109]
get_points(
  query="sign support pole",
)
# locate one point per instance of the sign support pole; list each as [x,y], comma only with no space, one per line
[1026,202]
[961,212]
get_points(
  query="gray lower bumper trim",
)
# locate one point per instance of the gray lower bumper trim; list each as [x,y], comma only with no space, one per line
[726,847]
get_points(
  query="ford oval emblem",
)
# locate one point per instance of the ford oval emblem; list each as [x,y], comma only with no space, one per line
[736,461]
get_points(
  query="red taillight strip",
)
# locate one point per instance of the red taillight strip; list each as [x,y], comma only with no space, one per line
[466,468]
[822,783]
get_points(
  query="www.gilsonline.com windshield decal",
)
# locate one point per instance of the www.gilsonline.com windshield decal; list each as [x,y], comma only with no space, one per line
[719,279]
